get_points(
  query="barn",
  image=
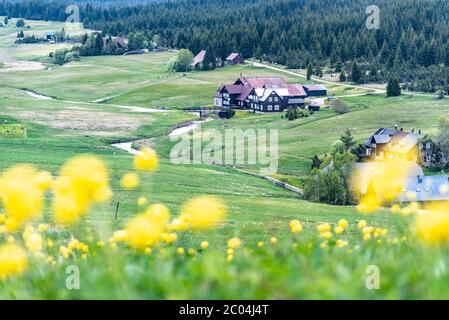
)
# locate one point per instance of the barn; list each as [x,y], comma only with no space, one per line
[235,58]
[315,90]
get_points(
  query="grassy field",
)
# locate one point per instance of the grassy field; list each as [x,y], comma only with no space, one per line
[297,266]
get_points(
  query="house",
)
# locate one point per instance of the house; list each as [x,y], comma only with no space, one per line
[393,144]
[121,42]
[198,59]
[425,189]
[260,94]
[316,105]
[235,58]
[50,36]
[315,90]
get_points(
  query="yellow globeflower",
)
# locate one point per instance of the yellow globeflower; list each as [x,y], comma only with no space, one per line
[130,180]
[273,240]
[367,236]
[326,235]
[341,243]
[395,209]
[169,237]
[2,218]
[234,243]
[177,224]
[362,224]
[230,258]
[147,229]
[21,194]
[323,227]
[142,201]
[203,212]
[146,160]
[83,181]
[295,226]
[433,227]
[260,244]
[13,260]
[368,230]
[343,223]
[339,230]
[34,242]
[180,251]
[204,245]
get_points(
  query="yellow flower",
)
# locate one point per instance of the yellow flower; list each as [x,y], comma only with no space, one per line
[34,242]
[180,251]
[203,212]
[341,243]
[295,226]
[367,236]
[148,250]
[362,224]
[324,245]
[42,227]
[177,224]
[191,251]
[273,240]
[2,218]
[323,227]
[395,209]
[384,232]
[64,252]
[146,160]
[130,180]
[50,243]
[326,235]
[230,258]
[204,245]
[230,251]
[83,181]
[22,195]
[339,230]
[169,237]
[368,230]
[100,244]
[146,229]
[343,223]
[13,260]
[234,243]
[142,201]
[433,227]
[260,244]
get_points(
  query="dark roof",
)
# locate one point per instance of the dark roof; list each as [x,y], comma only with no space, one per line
[234,88]
[264,82]
[199,58]
[401,141]
[245,93]
[426,188]
[314,87]
[121,42]
[232,56]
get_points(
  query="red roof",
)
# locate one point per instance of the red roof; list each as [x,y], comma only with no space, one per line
[264,82]
[296,90]
[232,56]
[315,87]
[245,93]
[234,89]
[199,58]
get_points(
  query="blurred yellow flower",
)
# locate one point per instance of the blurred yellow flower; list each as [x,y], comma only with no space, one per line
[169,237]
[230,257]
[130,180]
[433,227]
[323,227]
[146,160]
[204,245]
[368,230]
[22,195]
[234,243]
[326,235]
[367,236]
[177,224]
[191,251]
[395,209]
[180,251]
[142,201]
[43,227]
[295,226]
[339,230]
[203,212]
[2,218]
[260,244]
[341,243]
[362,224]
[33,241]
[343,223]
[273,240]
[13,260]
[83,181]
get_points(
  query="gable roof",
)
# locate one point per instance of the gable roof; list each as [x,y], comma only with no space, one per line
[232,56]
[315,87]
[400,141]
[199,58]
[296,90]
[426,188]
[261,82]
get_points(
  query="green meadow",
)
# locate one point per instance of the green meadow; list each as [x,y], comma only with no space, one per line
[296,267]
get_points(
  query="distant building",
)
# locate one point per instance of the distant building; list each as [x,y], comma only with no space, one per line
[316,105]
[121,42]
[315,90]
[199,59]
[393,144]
[235,58]
[260,94]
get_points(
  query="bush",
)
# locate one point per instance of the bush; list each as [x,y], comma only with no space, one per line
[340,107]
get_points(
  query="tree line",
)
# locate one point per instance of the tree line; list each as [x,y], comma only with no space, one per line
[412,42]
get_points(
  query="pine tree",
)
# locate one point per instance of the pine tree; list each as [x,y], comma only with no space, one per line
[393,87]
[342,76]
[356,74]
[316,162]
[309,72]
[348,140]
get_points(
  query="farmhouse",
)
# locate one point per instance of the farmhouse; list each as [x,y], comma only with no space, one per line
[121,43]
[315,90]
[260,94]
[198,59]
[316,105]
[393,144]
[50,36]
[235,58]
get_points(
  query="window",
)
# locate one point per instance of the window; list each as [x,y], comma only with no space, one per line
[276,99]
[270,107]
[270,99]
[276,107]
